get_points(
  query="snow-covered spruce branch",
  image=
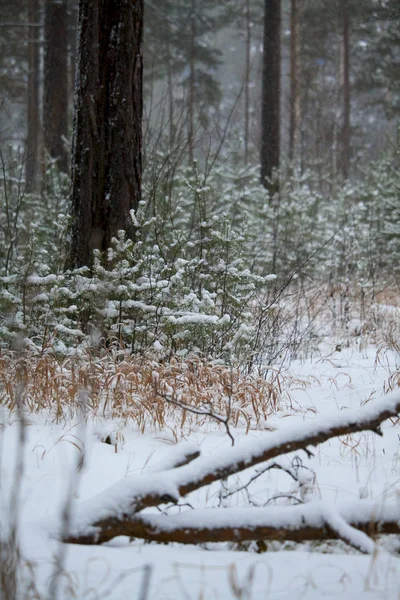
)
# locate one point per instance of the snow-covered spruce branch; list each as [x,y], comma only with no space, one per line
[110,513]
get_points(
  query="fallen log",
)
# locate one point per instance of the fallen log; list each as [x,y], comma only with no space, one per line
[354,522]
[115,511]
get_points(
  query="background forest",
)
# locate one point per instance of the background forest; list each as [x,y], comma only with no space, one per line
[199,280]
[209,231]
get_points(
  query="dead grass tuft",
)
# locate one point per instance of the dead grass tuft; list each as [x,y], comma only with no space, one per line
[131,388]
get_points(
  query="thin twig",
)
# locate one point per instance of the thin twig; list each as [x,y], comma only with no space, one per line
[199,411]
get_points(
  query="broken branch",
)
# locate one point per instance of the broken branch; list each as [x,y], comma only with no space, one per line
[112,512]
[352,522]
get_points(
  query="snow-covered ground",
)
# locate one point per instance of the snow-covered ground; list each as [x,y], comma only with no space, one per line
[361,466]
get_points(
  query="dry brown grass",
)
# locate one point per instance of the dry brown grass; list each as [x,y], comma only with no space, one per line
[131,388]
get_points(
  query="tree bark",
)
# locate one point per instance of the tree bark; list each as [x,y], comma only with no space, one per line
[106,158]
[55,105]
[32,163]
[270,101]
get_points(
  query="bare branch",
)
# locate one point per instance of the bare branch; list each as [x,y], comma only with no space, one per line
[291,471]
[200,411]
[7,24]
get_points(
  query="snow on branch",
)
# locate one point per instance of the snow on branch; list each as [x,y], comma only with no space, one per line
[181,454]
[353,522]
[112,512]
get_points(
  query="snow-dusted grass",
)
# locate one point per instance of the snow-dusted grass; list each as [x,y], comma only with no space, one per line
[62,458]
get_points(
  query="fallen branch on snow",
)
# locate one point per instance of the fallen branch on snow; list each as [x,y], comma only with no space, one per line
[353,522]
[115,511]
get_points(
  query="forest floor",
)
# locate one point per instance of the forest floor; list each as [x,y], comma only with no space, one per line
[359,466]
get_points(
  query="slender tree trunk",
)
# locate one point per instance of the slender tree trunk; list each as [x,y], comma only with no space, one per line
[270,101]
[72,32]
[107,158]
[346,87]
[32,163]
[170,94]
[247,83]
[191,94]
[55,109]
[295,106]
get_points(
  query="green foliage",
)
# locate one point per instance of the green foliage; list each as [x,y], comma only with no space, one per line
[182,286]
[197,276]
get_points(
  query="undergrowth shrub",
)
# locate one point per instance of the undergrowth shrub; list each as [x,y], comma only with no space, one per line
[197,276]
[141,292]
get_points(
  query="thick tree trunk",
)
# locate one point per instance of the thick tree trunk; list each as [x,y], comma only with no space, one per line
[55,109]
[33,135]
[270,101]
[346,88]
[106,159]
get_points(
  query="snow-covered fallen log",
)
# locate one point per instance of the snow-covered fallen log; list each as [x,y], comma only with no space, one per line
[353,522]
[112,513]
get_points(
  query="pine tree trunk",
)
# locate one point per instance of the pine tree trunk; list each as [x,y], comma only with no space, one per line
[170,93]
[247,83]
[106,159]
[295,105]
[72,27]
[346,88]
[270,101]
[192,81]
[55,105]
[33,118]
